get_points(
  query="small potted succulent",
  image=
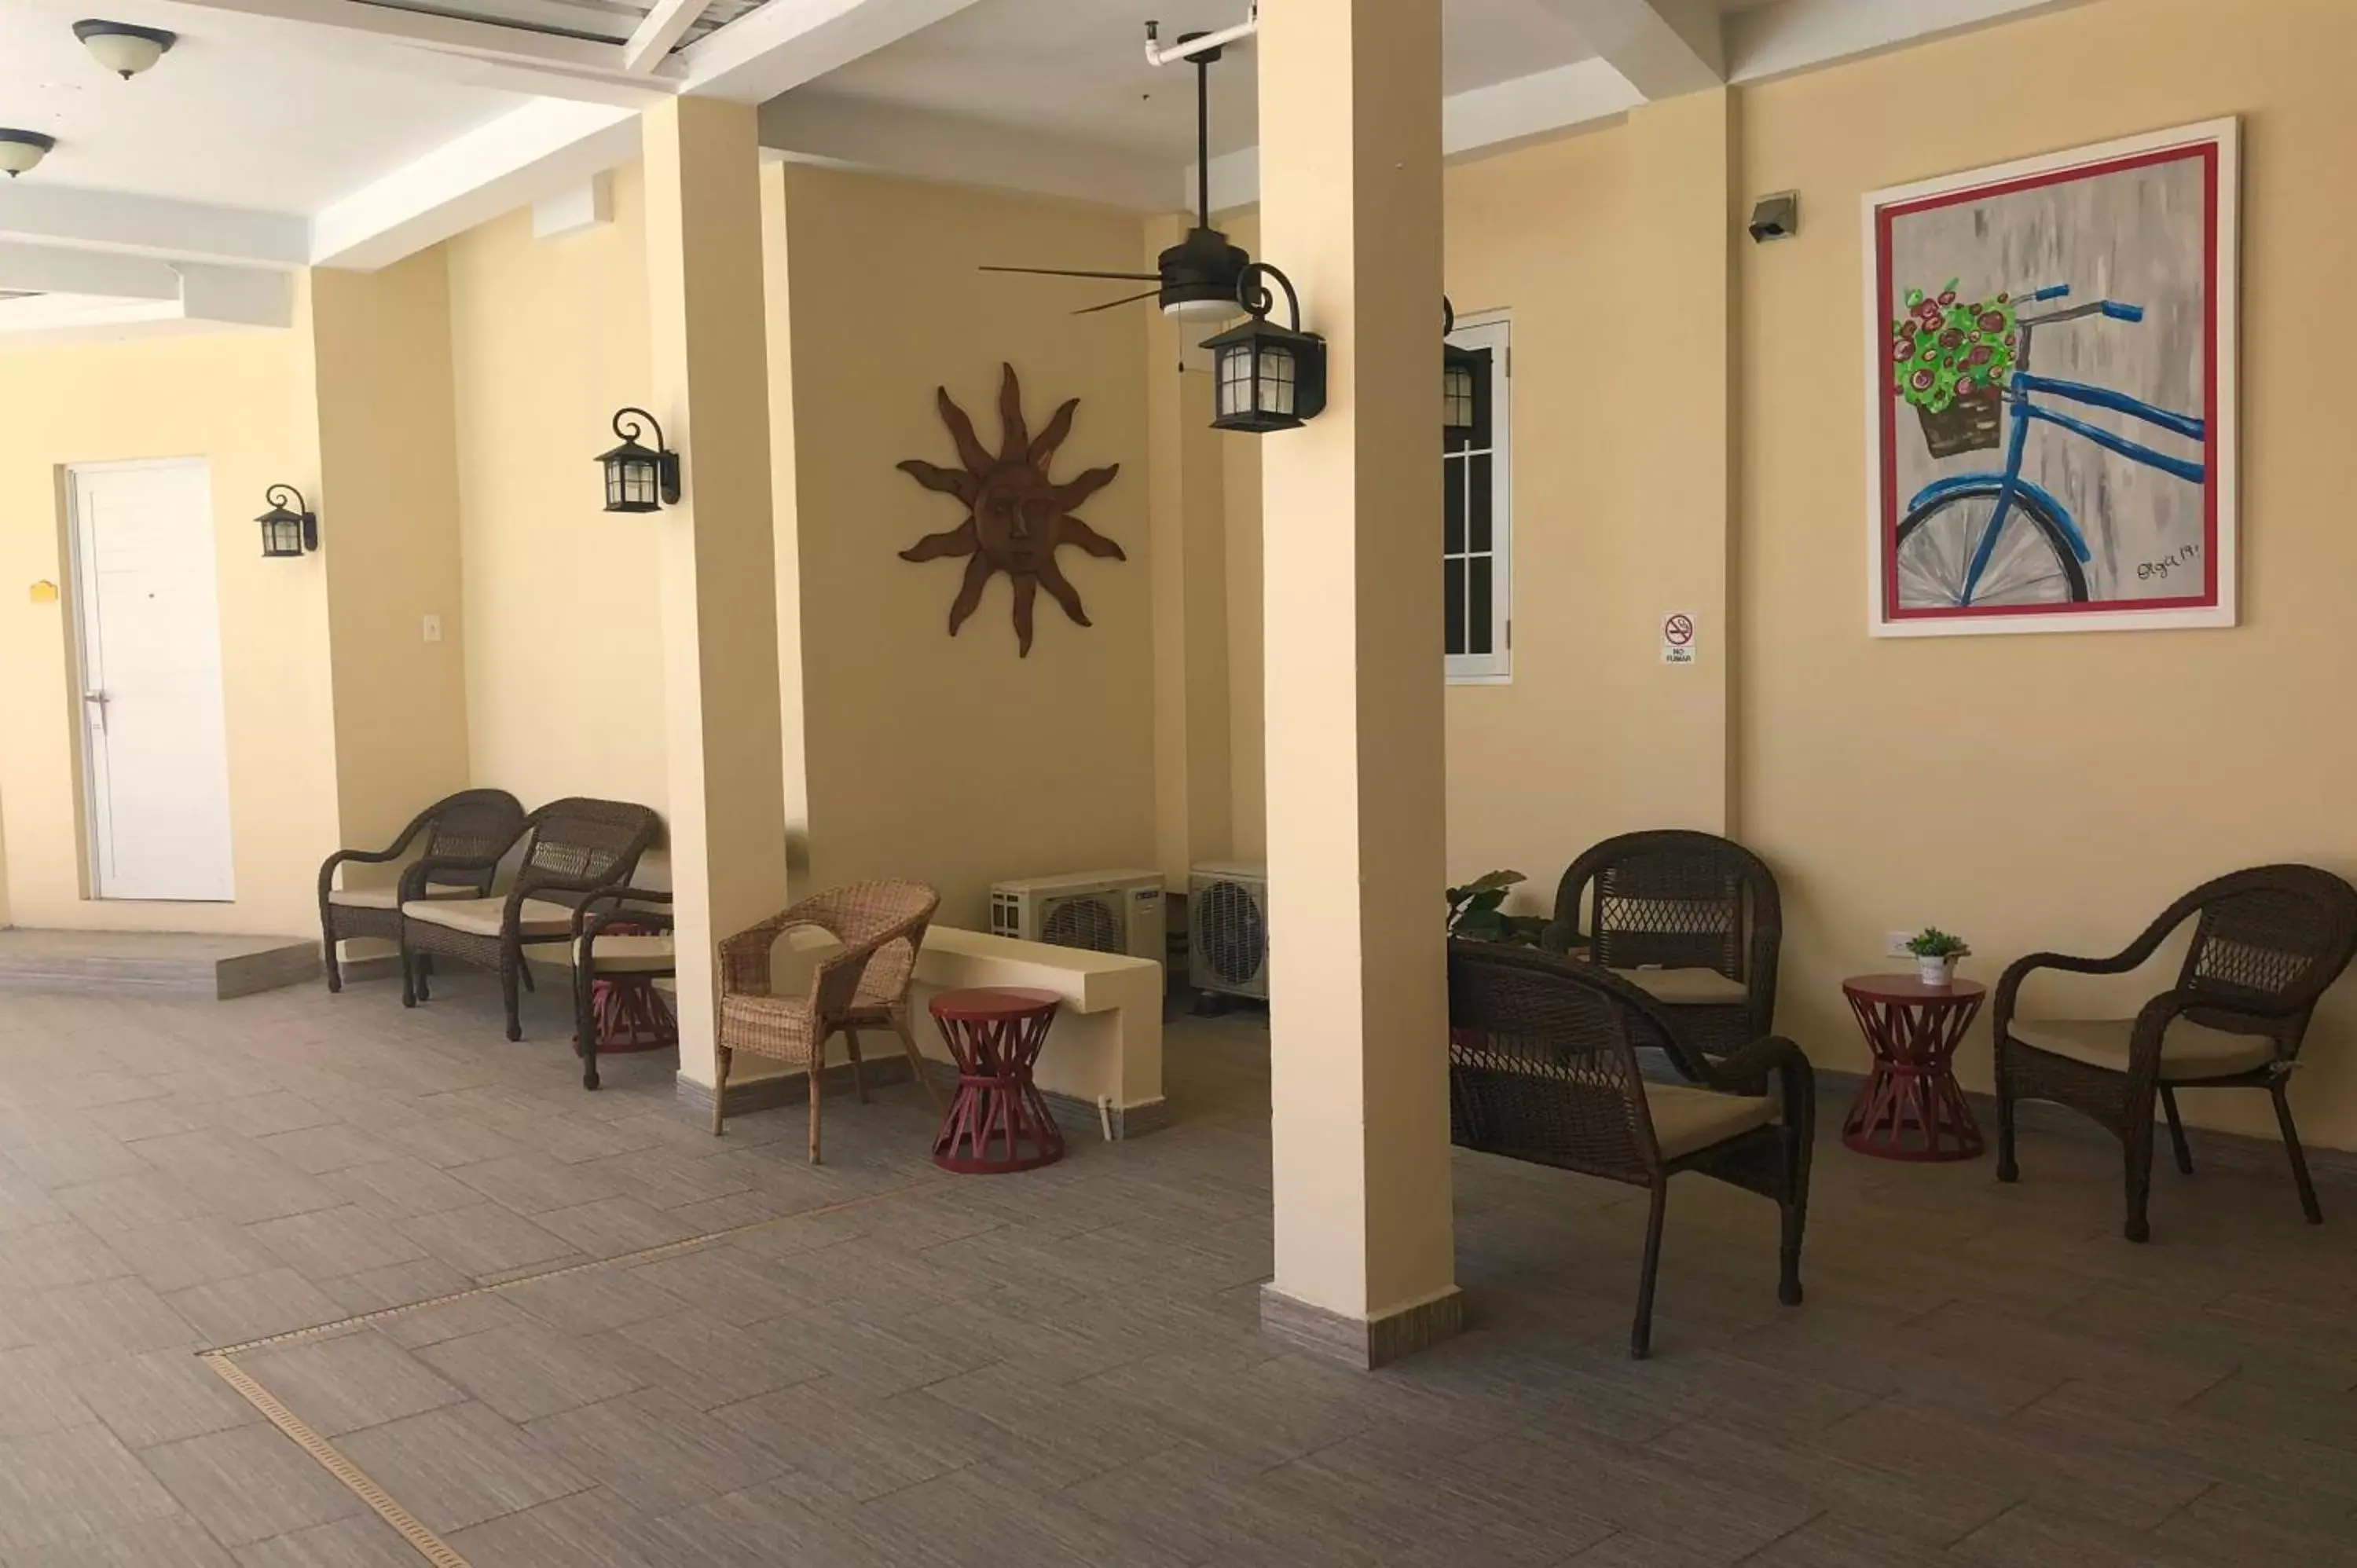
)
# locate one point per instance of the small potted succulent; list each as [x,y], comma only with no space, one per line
[1936,952]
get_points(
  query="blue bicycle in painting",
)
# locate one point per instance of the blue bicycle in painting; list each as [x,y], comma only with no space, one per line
[1986,540]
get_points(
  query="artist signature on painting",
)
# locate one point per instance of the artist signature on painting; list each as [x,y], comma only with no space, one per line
[2183,557]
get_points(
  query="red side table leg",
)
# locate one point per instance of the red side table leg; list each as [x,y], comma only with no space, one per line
[998,1123]
[1911,1107]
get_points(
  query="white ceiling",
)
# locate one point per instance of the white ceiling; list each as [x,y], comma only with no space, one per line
[219,120]
[1077,68]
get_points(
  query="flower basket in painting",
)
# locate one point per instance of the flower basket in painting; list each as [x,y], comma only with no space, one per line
[1966,424]
[1949,360]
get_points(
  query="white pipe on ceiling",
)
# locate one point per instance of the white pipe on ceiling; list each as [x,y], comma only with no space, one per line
[1158,54]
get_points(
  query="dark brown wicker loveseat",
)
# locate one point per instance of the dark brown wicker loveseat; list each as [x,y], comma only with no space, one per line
[2266,944]
[1690,918]
[1543,1067]
[573,848]
[465,835]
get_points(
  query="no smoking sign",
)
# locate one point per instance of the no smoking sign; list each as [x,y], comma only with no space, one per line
[1677,638]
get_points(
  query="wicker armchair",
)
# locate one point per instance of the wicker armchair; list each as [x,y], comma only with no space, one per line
[1690,918]
[645,952]
[573,847]
[465,835]
[2266,944]
[1543,1067]
[865,986]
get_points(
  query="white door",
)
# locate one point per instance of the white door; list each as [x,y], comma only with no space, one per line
[157,761]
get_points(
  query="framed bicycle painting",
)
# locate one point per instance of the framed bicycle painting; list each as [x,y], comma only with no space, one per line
[2050,350]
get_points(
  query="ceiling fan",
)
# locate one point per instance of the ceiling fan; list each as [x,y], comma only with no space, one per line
[1196,278]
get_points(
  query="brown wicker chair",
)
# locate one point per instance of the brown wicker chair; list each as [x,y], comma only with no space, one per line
[572,848]
[465,835]
[1543,1067]
[2266,944]
[646,951]
[865,986]
[1690,918]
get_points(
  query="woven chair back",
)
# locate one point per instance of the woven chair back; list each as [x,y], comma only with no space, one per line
[1543,1062]
[2269,939]
[475,824]
[580,844]
[1675,906]
[881,925]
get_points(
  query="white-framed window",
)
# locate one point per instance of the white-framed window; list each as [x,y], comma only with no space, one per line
[1477,532]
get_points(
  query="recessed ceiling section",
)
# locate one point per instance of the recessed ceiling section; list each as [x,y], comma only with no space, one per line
[594,21]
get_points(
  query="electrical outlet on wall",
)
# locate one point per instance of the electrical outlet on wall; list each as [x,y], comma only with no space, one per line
[433,628]
[1894,943]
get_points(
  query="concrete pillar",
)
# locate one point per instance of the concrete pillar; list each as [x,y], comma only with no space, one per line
[1186,518]
[718,589]
[1350,111]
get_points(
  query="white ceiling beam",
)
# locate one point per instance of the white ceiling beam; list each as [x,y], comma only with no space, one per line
[485,54]
[1800,35]
[58,269]
[664,25]
[789,42]
[47,214]
[237,296]
[1545,103]
[880,138]
[1665,47]
[521,157]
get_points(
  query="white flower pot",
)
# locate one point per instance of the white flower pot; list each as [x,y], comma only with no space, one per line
[1936,970]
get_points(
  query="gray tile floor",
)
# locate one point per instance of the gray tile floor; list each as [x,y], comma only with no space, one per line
[895,1367]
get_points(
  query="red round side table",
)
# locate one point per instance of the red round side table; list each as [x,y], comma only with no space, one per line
[996,1034]
[1911,1107]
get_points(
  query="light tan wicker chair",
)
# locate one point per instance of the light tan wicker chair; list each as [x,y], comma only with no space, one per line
[865,986]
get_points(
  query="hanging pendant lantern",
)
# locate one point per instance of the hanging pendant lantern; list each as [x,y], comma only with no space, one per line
[1268,377]
[638,477]
[1462,371]
[288,531]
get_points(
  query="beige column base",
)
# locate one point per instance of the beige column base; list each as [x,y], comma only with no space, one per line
[1365,1343]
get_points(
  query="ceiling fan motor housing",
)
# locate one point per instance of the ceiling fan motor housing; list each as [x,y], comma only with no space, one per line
[1200,275]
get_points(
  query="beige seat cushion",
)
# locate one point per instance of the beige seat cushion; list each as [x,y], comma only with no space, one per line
[1685,1120]
[481,917]
[2188,1050]
[365,898]
[630,955]
[1686,987]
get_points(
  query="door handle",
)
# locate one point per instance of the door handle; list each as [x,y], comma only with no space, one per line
[100,699]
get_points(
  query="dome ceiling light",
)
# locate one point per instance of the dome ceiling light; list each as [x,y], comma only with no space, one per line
[22,150]
[123,48]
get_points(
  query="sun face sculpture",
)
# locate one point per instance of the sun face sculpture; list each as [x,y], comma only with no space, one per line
[1015,516]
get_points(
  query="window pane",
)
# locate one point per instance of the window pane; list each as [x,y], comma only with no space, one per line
[1453,503]
[1454,578]
[1478,638]
[1482,401]
[1477,504]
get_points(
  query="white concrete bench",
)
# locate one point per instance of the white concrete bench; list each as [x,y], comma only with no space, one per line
[1102,1062]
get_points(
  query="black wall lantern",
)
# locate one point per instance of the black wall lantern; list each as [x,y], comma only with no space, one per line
[1462,374]
[1269,377]
[639,478]
[288,531]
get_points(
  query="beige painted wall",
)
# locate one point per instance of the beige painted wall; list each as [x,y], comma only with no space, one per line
[2043,791]
[1901,817]
[564,680]
[388,501]
[239,399]
[952,759]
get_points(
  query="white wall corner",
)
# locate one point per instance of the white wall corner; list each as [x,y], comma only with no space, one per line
[588,205]
[1665,47]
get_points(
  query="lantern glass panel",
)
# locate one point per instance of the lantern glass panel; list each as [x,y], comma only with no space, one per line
[1457,397]
[1277,380]
[1235,380]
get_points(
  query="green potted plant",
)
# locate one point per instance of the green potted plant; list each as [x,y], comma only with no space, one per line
[1950,361]
[1476,912]
[1936,952]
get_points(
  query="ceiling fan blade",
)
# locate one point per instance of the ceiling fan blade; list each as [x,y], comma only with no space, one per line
[1066,272]
[1110,304]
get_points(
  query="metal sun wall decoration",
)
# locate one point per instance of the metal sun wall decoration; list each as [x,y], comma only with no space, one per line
[1016,517]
